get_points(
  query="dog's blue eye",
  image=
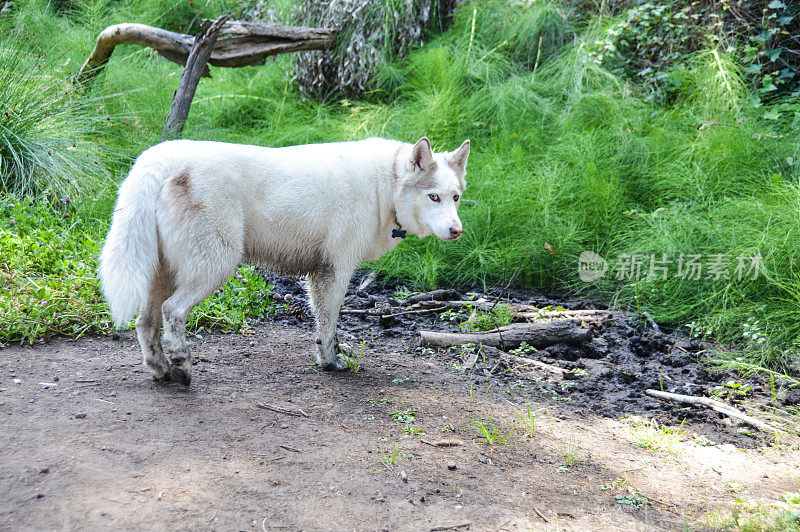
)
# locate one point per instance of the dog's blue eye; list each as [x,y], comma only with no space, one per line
[435,197]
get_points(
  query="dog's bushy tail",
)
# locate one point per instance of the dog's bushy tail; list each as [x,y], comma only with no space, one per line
[130,255]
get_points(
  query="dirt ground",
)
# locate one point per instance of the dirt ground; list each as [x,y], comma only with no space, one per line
[263,440]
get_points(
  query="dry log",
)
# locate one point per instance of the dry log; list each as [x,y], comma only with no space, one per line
[548,314]
[190,77]
[568,331]
[520,311]
[717,406]
[436,295]
[240,44]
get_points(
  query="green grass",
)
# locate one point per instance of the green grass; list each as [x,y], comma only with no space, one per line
[648,434]
[567,156]
[49,286]
[490,433]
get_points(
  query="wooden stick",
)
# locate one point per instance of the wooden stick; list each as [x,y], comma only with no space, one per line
[190,77]
[517,363]
[718,406]
[450,527]
[280,410]
[435,295]
[537,335]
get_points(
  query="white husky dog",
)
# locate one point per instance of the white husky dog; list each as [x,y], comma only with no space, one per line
[190,212]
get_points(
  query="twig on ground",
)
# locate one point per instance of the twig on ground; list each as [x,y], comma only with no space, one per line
[450,527]
[289,448]
[540,514]
[518,363]
[280,410]
[718,406]
[435,295]
[505,288]
[443,443]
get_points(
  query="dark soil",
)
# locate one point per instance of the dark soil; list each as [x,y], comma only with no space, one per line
[264,440]
[625,358]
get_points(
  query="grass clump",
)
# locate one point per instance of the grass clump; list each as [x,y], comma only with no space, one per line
[47,131]
[648,434]
[490,433]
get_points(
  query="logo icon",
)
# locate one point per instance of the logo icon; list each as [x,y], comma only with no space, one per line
[591,266]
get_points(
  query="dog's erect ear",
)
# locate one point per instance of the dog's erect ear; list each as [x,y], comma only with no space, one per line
[421,154]
[458,159]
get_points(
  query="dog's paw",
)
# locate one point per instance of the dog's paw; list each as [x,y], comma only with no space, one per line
[179,375]
[180,369]
[159,371]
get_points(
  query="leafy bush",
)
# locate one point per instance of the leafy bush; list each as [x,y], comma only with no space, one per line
[48,264]
[47,272]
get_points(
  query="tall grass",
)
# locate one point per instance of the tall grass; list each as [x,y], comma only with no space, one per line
[47,133]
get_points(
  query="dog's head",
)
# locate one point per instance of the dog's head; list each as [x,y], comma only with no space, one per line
[429,188]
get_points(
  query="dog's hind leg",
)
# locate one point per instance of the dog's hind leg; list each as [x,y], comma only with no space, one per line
[327,289]
[148,327]
[211,265]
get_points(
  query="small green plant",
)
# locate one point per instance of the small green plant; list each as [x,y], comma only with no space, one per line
[633,499]
[482,320]
[523,350]
[384,401]
[490,433]
[403,293]
[615,484]
[731,391]
[390,456]
[569,450]
[734,487]
[404,416]
[413,431]
[528,418]
[648,434]
[354,362]
[703,441]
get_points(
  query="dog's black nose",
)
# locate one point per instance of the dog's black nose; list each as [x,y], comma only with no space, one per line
[456,231]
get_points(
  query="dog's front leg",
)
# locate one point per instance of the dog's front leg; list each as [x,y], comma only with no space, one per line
[327,289]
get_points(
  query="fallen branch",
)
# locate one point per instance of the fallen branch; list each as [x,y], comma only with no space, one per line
[651,322]
[436,295]
[450,527]
[367,281]
[718,406]
[585,314]
[379,312]
[443,443]
[538,335]
[280,410]
[240,44]
[517,363]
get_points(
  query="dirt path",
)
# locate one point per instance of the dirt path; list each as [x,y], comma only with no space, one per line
[105,448]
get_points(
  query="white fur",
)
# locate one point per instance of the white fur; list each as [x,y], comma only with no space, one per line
[190,212]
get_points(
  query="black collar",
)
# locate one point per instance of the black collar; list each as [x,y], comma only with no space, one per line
[399,232]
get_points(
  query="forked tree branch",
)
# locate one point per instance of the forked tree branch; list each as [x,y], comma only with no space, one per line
[239,44]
